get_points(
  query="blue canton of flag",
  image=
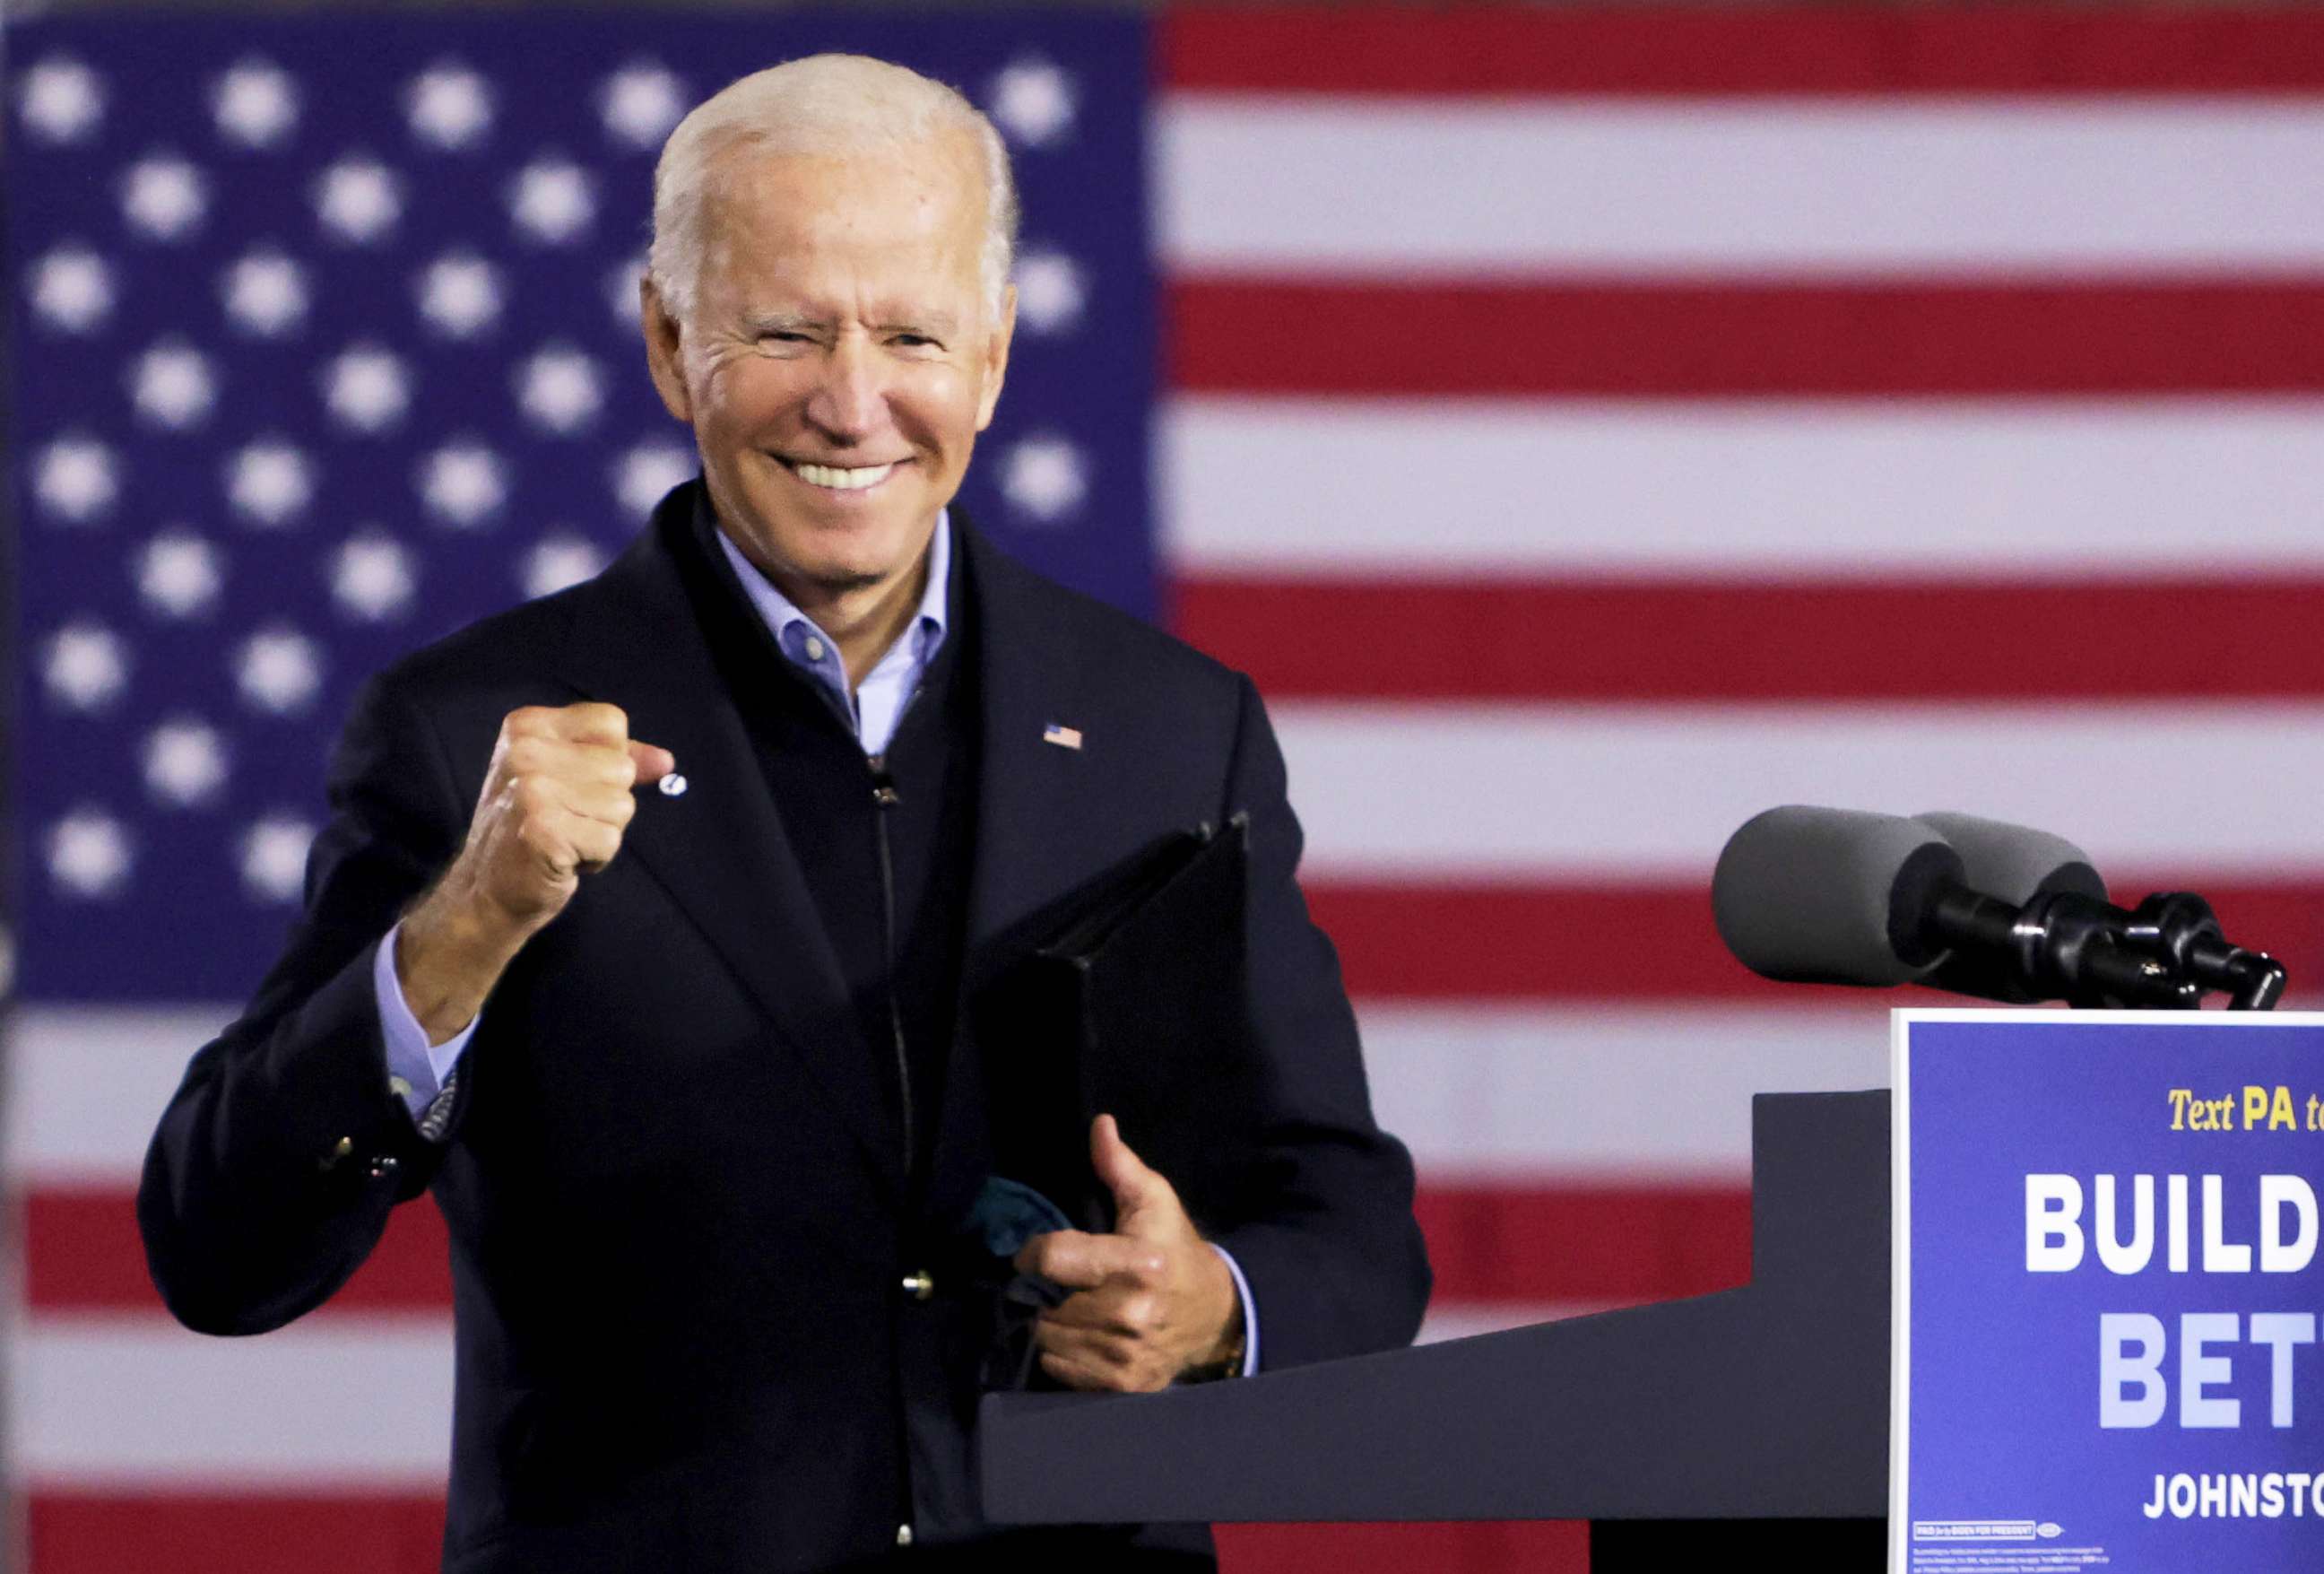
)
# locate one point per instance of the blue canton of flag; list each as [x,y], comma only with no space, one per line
[326,343]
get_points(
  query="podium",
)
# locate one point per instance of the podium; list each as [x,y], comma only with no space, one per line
[1754,1421]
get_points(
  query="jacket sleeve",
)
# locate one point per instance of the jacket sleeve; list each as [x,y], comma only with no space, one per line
[277,1161]
[1335,1262]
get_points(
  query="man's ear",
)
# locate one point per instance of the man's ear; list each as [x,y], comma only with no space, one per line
[996,357]
[664,359]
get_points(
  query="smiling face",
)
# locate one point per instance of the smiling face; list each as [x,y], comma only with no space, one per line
[839,359]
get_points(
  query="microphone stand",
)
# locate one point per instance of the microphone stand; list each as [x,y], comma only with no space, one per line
[2065,945]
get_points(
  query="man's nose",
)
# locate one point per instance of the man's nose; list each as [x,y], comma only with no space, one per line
[850,401]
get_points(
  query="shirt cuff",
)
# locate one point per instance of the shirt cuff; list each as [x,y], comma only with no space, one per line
[416,1069]
[1250,1311]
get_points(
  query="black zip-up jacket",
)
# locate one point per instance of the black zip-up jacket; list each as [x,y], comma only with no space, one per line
[682,1213]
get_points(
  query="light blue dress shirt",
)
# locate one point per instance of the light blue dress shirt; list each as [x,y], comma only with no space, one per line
[417,1069]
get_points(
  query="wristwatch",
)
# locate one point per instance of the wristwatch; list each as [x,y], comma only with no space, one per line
[1228,1364]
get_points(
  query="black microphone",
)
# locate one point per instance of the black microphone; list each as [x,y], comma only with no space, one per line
[2014,863]
[2019,864]
[1810,895]
[1837,896]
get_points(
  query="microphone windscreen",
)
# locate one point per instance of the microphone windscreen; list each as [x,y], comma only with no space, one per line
[1830,895]
[2014,862]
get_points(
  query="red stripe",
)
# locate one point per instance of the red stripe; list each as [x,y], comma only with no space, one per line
[232,1533]
[1478,51]
[1516,1245]
[1641,944]
[1243,335]
[223,1532]
[1669,639]
[82,1252]
[1538,1547]
[1502,1246]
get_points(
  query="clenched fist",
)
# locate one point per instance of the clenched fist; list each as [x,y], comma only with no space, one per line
[557,794]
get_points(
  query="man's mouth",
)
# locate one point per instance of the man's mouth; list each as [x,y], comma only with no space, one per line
[842,478]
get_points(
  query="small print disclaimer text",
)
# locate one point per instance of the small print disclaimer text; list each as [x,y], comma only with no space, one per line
[1995,1546]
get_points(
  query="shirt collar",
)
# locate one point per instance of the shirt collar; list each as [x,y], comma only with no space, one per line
[781,615]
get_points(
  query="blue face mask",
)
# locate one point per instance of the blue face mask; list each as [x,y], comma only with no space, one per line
[1007,1215]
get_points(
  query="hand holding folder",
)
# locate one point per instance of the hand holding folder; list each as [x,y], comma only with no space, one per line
[1135,1006]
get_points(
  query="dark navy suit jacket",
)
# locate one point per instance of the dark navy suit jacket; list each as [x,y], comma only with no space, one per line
[679,1220]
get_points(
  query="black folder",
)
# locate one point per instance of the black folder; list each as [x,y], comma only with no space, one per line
[1134,1006]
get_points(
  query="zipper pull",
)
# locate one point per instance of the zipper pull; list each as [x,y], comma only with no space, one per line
[883,785]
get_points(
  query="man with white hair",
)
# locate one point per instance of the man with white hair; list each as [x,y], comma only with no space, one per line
[711,1127]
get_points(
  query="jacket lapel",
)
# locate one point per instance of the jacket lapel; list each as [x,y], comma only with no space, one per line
[1029,801]
[719,848]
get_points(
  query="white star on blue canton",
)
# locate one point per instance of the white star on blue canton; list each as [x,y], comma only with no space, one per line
[622,290]
[557,560]
[265,292]
[72,289]
[163,196]
[274,858]
[462,484]
[256,104]
[172,386]
[448,105]
[560,389]
[270,481]
[1050,291]
[87,667]
[459,294]
[178,574]
[550,200]
[366,388]
[358,200]
[89,854]
[185,763]
[61,100]
[278,671]
[641,104]
[644,475]
[1033,101]
[76,480]
[372,576]
[1044,478]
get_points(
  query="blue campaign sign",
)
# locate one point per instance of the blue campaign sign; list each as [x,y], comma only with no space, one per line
[2107,1290]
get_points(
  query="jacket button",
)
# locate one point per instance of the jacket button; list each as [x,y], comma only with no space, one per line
[903,1536]
[383,1166]
[919,1284]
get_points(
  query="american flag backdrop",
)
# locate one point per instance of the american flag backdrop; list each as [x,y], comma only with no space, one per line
[1589,429]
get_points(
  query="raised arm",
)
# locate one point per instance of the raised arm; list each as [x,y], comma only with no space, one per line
[274,1168]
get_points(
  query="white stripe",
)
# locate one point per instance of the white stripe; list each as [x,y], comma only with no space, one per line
[1386,486]
[1614,792]
[86,1086]
[1486,1095]
[1698,187]
[132,1404]
[1473,1091]
[1463,1320]
[136,1401]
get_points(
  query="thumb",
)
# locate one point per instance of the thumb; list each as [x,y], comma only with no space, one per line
[1137,1189]
[652,763]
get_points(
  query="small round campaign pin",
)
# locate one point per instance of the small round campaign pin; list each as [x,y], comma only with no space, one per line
[672,785]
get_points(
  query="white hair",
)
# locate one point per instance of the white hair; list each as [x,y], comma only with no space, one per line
[821,104]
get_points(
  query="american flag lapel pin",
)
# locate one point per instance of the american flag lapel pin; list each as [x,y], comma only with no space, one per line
[1065,738]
